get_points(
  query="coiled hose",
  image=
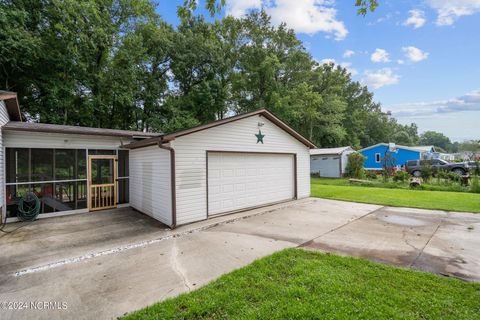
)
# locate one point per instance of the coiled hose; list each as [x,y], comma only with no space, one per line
[28,207]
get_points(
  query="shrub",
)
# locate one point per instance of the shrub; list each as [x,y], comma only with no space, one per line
[372,175]
[355,168]
[475,185]
[401,176]
[442,174]
[476,168]
[454,177]
[388,166]
[426,171]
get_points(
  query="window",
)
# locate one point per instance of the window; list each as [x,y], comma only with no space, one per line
[57,176]
[378,157]
[65,164]
[41,163]
[412,163]
[17,163]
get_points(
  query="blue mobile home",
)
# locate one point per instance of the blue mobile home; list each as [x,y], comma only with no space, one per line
[401,154]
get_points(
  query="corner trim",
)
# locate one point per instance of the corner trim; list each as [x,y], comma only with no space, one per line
[172,182]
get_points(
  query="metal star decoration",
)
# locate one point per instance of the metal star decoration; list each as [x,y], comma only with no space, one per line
[259,136]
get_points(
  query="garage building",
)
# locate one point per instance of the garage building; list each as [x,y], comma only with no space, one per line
[242,162]
[233,164]
[329,162]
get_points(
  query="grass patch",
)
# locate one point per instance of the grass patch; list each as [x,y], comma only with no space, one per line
[441,200]
[298,284]
[433,185]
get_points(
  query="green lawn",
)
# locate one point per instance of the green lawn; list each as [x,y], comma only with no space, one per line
[442,200]
[298,284]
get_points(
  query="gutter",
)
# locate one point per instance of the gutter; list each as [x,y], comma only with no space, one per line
[172,182]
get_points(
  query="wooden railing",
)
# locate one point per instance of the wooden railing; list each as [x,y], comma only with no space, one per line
[103,196]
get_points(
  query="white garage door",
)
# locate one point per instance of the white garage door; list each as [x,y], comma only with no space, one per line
[242,180]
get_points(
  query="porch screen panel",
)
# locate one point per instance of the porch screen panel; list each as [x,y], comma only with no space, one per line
[123,177]
[57,176]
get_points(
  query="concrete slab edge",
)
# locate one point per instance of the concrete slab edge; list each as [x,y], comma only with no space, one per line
[206,224]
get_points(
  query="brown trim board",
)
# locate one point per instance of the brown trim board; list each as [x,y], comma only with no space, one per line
[172,183]
[11,103]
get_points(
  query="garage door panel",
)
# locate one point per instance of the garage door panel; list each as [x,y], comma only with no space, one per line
[248,180]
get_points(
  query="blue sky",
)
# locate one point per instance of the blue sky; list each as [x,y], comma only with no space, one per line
[420,58]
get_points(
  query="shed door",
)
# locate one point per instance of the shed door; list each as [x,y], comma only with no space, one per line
[243,180]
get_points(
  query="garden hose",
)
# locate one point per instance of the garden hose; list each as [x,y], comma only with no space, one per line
[28,207]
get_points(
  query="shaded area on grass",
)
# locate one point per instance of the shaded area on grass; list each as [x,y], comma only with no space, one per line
[440,200]
[299,284]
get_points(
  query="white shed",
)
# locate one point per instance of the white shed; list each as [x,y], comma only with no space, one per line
[242,162]
[329,162]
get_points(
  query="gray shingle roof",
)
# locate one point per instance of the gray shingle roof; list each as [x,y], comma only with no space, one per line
[56,128]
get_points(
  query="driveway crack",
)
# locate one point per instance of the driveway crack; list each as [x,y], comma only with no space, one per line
[341,226]
[426,244]
[177,267]
[404,237]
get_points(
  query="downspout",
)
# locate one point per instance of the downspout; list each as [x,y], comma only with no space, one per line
[172,182]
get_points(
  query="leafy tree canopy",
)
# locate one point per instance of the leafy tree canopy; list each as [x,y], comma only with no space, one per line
[437,139]
[117,64]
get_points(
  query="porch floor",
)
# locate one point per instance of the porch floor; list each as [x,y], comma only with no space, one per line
[73,235]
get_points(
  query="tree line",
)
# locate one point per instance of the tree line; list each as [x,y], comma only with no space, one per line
[117,64]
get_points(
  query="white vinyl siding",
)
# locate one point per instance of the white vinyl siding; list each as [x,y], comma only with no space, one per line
[4,118]
[239,136]
[244,180]
[23,139]
[150,183]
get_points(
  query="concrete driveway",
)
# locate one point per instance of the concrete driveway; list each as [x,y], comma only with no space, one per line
[102,265]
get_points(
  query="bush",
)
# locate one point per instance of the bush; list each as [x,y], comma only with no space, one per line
[355,168]
[475,185]
[442,174]
[476,168]
[401,176]
[371,175]
[426,172]
[454,177]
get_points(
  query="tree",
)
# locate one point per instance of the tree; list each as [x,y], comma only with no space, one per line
[436,139]
[117,64]
[62,76]
[186,10]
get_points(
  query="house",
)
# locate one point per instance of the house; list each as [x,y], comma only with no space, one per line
[375,155]
[233,164]
[329,162]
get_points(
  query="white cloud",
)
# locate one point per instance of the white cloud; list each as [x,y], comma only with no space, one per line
[415,54]
[327,61]
[304,16]
[240,8]
[400,61]
[416,19]
[467,102]
[348,53]
[450,10]
[345,65]
[380,55]
[380,78]
[348,66]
